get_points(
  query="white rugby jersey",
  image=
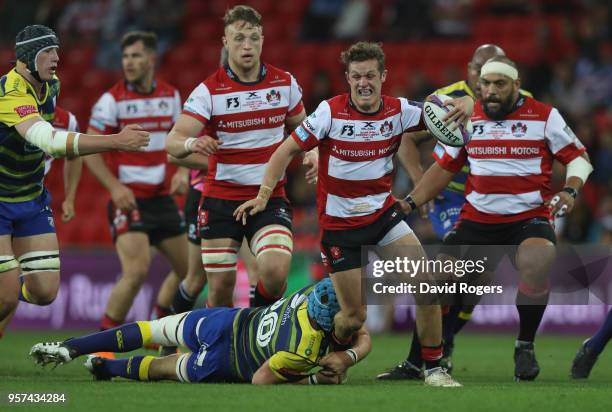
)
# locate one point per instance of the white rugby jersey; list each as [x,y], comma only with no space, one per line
[63,120]
[249,118]
[356,157]
[511,162]
[143,172]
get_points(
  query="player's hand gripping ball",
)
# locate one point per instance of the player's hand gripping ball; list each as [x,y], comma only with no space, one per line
[434,111]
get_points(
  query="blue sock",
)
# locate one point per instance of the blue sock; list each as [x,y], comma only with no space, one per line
[134,367]
[124,338]
[598,342]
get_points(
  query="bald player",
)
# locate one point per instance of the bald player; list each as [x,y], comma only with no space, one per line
[444,214]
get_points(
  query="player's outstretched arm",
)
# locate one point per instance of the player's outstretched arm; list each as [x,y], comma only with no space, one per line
[182,140]
[274,172]
[122,196]
[70,144]
[435,179]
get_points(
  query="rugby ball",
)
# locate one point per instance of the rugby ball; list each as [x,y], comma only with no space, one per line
[433,113]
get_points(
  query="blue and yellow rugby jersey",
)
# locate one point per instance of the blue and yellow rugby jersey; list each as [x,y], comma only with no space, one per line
[281,333]
[455,90]
[22,164]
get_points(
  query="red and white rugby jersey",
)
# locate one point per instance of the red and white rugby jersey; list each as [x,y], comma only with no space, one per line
[356,157]
[511,162]
[249,118]
[143,172]
[62,120]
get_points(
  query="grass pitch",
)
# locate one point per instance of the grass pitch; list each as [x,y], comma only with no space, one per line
[483,363]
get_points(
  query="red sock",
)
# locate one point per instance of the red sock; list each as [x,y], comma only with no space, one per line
[431,355]
[108,323]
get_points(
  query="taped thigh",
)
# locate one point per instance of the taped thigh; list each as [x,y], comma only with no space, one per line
[39,261]
[168,331]
[181,368]
[8,262]
[273,239]
[219,259]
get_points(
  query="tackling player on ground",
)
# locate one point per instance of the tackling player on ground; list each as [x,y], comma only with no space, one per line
[282,343]
[27,105]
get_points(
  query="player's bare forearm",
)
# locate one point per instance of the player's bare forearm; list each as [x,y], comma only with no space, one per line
[410,159]
[192,161]
[362,343]
[294,121]
[186,127]
[72,176]
[279,162]
[96,165]
[434,180]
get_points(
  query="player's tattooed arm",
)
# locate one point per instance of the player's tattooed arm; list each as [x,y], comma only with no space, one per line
[433,182]
[562,203]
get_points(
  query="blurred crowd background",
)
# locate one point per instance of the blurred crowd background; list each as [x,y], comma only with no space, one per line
[563,48]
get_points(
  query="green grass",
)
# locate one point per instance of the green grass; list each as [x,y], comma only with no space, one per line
[483,364]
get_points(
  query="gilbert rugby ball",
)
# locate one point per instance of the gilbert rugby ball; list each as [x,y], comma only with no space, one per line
[433,112]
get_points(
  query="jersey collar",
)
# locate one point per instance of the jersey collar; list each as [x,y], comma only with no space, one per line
[232,75]
[130,87]
[354,107]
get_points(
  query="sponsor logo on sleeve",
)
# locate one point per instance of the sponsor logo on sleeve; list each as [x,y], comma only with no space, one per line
[439,151]
[301,133]
[26,110]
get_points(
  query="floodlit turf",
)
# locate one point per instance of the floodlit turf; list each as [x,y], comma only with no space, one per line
[483,364]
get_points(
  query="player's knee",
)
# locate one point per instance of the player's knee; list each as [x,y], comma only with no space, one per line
[274,279]
[131,282]
[43,289]
[194,284]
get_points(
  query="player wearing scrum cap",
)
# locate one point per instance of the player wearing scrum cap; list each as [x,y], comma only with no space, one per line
[508,196]
[27,104]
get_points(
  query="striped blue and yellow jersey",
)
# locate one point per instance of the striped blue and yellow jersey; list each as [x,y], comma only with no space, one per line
[455,90]
[282,334]
[22,165]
